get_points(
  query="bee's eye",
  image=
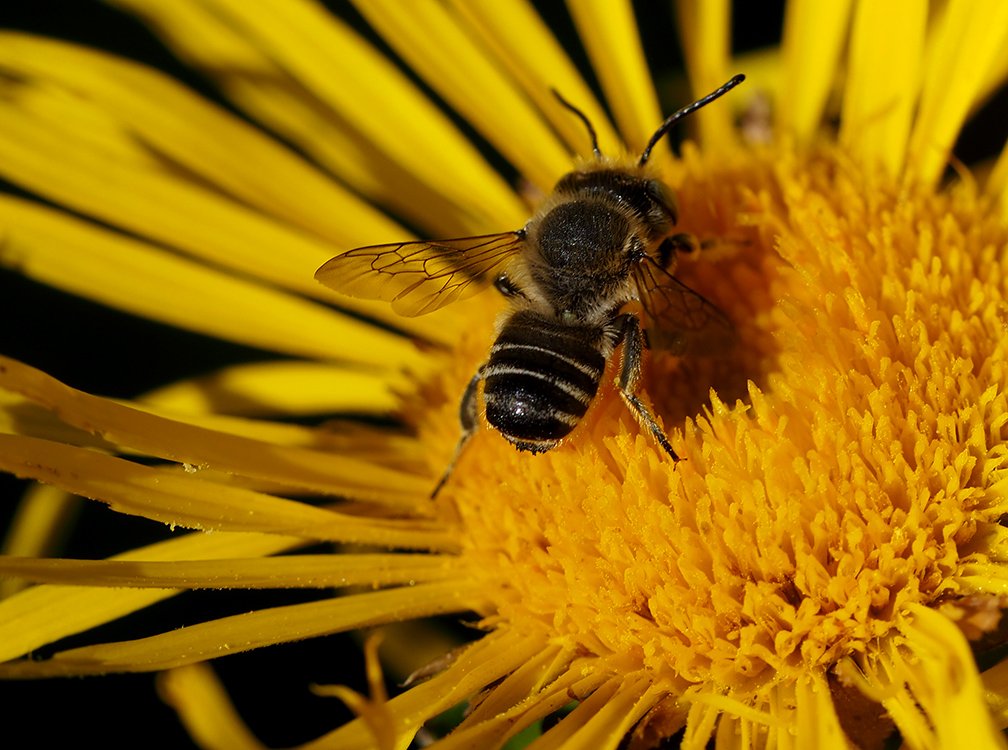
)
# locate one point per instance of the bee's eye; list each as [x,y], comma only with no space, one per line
[663,202]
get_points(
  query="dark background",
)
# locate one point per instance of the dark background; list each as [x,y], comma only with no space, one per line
[106,352]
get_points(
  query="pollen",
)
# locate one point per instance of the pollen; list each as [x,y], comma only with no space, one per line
[844,453]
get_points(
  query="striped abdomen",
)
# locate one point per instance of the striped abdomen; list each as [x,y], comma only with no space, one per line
[540,379]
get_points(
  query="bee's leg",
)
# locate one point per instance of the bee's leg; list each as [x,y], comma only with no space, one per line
[688,244]
[469,418]
[506,287]
[628,381]
[677,243]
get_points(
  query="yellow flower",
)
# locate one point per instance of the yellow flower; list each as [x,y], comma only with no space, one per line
[815,572]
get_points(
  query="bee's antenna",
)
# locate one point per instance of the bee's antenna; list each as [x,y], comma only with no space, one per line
[688,109]
[584,119]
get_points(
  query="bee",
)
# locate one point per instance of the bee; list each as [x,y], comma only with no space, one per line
[603,239]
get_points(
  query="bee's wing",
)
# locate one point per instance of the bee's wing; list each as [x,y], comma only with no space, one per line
[679,319]
[420,277]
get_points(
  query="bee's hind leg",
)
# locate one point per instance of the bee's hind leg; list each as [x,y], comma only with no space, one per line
[469,419]
[628,381]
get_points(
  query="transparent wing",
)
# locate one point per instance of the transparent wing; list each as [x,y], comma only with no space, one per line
[679,319]
[420,277]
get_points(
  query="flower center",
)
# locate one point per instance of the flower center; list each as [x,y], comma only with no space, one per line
[838,464]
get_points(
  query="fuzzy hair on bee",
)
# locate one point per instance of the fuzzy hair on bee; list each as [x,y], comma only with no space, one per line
[605,237]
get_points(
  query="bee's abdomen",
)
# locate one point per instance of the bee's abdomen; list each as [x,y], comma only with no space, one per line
[540,379]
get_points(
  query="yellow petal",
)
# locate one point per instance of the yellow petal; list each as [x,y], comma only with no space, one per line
[928,683]
[281,388]
[283,106]
[492,657]
[39,524]
[531,53]
[159,205]
[44,614]
[296,571]
[878,106]
[997,181]
[372,710]
[121,272]
[706,37]
[181,499]
[963,48]
[57,157]
[372,714]
[609,32]
[205,709]
[182,443]
[530,678]
[814,35]
[264,627]
[471,82]
[606,726]
[763,69]
[995,682]
[522,711]
[260,86]
[150,108]
[39,515]
[94,128]
[21,416]
[567,730]
[816,716]
[945,681]
[342,70]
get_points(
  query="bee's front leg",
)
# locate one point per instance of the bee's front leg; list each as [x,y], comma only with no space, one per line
[628,381]
[688,244]
[676,244]
[469,419]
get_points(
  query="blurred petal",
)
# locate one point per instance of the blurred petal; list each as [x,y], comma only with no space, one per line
[961,51]
[523,43]
[148,107]
[878,106]
[471,81]
[814,35]
[997,182]
[206,711]
[272,95]
[282,388]
[706,37]
[325,56]
[492,657]
[995,683]
[124,273]
[42,519]
[609,32]
[944,679]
